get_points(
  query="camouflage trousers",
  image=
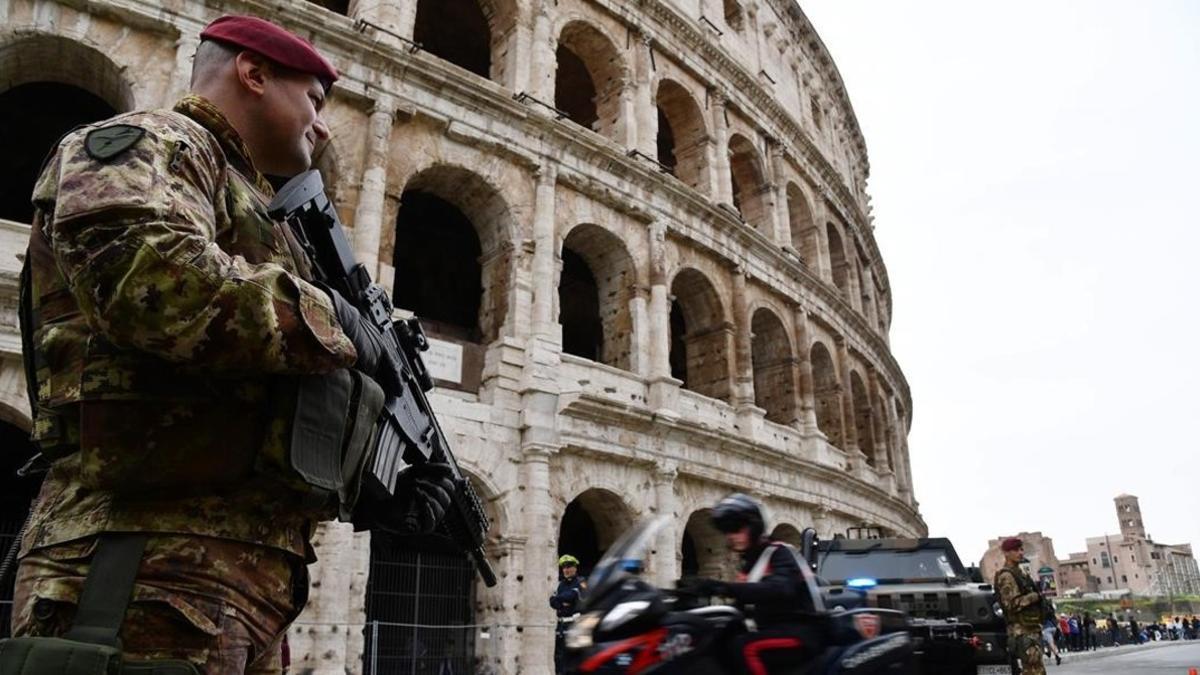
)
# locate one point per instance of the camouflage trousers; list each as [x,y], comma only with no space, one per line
[1027,647]
[222,605]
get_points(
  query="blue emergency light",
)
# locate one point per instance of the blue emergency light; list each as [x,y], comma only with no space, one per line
[861,583]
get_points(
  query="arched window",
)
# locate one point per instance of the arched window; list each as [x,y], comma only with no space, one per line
[590,524]
[805,238]
[682,137]
[838,263]
[588,79]
[700,330]
[595,292]
[703,548]
[827,394]
[457,31]
[338,6]
[771,354]
[735,16]
[749,185]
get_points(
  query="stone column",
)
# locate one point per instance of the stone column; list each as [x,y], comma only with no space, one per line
[543,67]
[849,427]
[320,638]
[870,299]
[722,180]
[666,562]
[783,215]
[539,571]
[395,17]
[545,290]
[368,215]
[853,271]
[645,111]
[882,456]
[903,468]
[513,601]
[628,132]
[181,76]
[805,382]
[664,389]
[823,265]
[743,390]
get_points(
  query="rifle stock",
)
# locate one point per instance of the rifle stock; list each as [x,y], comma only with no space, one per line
[407,431]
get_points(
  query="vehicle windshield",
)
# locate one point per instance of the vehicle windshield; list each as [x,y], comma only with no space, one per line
[628,555]
[879,564]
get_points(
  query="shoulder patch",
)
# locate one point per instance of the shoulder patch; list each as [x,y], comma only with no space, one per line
[106,143]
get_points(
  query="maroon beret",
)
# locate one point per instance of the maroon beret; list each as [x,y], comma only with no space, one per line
[275,43]
[1011,544]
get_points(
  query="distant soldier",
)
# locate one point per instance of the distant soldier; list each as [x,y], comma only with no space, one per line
[1024,608]
[565,601]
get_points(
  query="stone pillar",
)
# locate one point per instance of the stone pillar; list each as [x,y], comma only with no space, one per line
[368,215]
[628,131]
[664,389]
[849,428]
[783,215]
[882,456]
[666,562]
[823,265]
[645,111]
[321,638]
[181,76]
[513,602]
[395,17]
[743,389]
[805,382]
[545,290]
[542,67]
[540,570]
[853,270]
[870,299]
[903,467]
[722,180]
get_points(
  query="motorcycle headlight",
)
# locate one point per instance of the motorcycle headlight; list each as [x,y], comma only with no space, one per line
[579,636]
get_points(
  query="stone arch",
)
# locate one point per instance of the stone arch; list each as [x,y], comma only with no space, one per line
[590,523]
[839,265]
[734,14]
[457,31]
[826,394]
[682,136]
[589,78]
[701,336]
[597,285]
[750,187]
[863,415]
[453,253]
[48,85]
[806,239]
[702,549]
[786,532]
[773,362]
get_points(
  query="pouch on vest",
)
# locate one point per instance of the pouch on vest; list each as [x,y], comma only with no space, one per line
[333,433]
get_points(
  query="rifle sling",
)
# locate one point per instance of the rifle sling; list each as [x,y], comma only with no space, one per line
[108,588]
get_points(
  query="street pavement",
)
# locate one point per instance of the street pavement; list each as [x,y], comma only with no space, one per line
[1156,658]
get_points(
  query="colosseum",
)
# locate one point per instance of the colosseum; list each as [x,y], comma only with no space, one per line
[639,236]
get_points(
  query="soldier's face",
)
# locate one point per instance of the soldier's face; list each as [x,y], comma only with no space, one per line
[292,104]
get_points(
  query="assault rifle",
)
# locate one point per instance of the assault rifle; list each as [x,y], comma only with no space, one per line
[407,431]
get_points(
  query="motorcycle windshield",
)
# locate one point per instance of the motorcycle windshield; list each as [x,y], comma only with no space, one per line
[627,556]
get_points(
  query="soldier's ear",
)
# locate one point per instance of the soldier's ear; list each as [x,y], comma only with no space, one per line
[252,71]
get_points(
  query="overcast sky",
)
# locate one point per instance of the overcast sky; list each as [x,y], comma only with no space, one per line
[1034,171]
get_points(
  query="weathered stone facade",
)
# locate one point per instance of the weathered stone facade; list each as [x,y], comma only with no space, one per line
[651,215]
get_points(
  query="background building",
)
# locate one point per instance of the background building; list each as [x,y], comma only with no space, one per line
[1039,549]
[1129,562]
[638,233]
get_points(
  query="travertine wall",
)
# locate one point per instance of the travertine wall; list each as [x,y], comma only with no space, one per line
[760,235]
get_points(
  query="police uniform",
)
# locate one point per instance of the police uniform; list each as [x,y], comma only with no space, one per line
[171,320]
[565,601]
[1022,605]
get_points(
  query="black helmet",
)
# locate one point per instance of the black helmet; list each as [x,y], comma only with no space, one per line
[738,510]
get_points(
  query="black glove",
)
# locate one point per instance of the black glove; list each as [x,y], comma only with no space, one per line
[368,341]
[703,587]
[424,492]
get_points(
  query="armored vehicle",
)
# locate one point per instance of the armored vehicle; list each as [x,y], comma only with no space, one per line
[958,625]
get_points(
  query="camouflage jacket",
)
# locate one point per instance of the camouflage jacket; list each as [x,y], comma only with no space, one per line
[1019,598]
[171,316]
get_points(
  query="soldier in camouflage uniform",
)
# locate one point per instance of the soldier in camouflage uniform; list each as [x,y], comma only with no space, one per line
[171,320]
[1023,608]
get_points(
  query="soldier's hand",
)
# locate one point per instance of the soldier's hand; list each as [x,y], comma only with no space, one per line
[427,490]
[373,356]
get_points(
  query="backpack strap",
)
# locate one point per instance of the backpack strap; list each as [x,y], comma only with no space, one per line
[108,588]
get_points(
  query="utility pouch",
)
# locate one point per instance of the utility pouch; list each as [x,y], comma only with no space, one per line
[91,646]
[333,432]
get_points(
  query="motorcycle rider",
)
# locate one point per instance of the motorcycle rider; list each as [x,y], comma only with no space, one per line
[565,602]
[773,589]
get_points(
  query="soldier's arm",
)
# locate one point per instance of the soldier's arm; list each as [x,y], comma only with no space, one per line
[135,237]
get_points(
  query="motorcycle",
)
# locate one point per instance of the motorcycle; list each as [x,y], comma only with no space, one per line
[629,626]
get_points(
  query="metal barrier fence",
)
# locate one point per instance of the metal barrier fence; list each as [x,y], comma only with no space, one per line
[412,649]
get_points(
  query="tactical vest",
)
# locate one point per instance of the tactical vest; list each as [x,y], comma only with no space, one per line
[142,424]
[1030,615]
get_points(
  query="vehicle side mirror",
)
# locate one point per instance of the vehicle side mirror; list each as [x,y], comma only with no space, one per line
[808,547]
